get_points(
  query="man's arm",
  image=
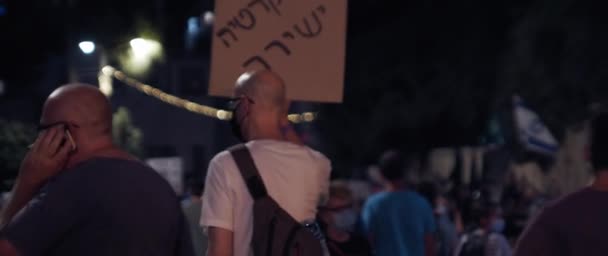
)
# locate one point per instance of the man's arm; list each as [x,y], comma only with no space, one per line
[46,158]
[429,245]
[22,193]
[217,210]
[220,242]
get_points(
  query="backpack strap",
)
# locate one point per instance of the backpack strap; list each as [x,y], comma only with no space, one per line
[250,173]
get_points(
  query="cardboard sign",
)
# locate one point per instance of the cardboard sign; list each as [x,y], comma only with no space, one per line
[302,41]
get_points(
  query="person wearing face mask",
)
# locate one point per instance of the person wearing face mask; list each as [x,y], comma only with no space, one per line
[398,220]
[487,239]
[295,176]
[497,244]
[447,231]
[445,218]
[338,218]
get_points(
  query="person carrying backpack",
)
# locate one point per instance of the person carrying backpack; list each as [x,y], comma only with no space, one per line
[487,239]
[261,197]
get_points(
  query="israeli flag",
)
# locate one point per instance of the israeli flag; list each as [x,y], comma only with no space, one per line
[532,133]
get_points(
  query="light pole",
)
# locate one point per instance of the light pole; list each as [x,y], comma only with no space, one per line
[86,58]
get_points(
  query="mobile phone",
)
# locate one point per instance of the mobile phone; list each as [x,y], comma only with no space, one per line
[69,138]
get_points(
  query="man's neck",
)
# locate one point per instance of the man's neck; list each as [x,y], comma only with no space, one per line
[265,129]
[396,185]
[103,150]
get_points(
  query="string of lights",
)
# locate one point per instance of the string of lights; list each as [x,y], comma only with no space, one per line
[194,107]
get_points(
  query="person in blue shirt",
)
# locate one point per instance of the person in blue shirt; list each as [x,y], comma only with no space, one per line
[398,221]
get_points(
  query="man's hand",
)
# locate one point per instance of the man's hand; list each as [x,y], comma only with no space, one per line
[46,158]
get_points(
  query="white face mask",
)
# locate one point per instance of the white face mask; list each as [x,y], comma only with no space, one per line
[345,219]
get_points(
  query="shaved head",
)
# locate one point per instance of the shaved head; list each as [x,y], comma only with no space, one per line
[81,104]
[265,87]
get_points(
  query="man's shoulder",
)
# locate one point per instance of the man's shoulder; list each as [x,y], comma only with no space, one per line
[223,165]
[410,197]
[414,196]
[101,167]
[222,157]
[579,197]
[110,163]
[558,210]
[288,150]
[375,199]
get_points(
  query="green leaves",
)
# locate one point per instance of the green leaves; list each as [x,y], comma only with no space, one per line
[126,135]
[15,137]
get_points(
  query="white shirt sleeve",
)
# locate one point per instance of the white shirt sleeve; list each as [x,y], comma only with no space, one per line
[217,200]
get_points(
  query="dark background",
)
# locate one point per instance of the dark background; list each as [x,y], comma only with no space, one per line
[419,74]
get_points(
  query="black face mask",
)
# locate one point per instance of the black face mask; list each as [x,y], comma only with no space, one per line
[236,128]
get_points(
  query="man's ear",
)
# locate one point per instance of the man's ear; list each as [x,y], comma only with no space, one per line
[246,108]
[286,105]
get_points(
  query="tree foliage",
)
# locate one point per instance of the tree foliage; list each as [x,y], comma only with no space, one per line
[126,134]
[431,74]
[15,137]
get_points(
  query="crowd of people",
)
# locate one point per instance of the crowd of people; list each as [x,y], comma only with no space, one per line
[78,194]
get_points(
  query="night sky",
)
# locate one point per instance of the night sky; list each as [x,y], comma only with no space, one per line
[419,74]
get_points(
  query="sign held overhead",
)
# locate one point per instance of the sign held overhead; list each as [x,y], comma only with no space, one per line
[302,41]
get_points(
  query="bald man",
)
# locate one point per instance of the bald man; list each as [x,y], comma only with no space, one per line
[295,176]
[89,196]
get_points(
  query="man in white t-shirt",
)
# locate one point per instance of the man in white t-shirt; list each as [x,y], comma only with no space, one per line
[295,176]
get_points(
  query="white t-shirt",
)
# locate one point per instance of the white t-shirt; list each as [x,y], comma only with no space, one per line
[295,176]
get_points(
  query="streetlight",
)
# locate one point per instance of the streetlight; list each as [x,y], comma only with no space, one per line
[143,52]
[145,48]
[87,47]
[208,18]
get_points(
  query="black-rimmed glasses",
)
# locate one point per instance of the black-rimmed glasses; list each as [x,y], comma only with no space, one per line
[234,102]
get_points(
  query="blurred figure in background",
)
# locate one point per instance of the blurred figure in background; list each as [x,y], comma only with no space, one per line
[338,218]
[445,217]
[192,210]
[447,229]
[487,238]
[375,179]
[398,221]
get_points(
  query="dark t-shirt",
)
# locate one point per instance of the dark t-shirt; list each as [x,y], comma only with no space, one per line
[574,225]
[355,246]
[103,206]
